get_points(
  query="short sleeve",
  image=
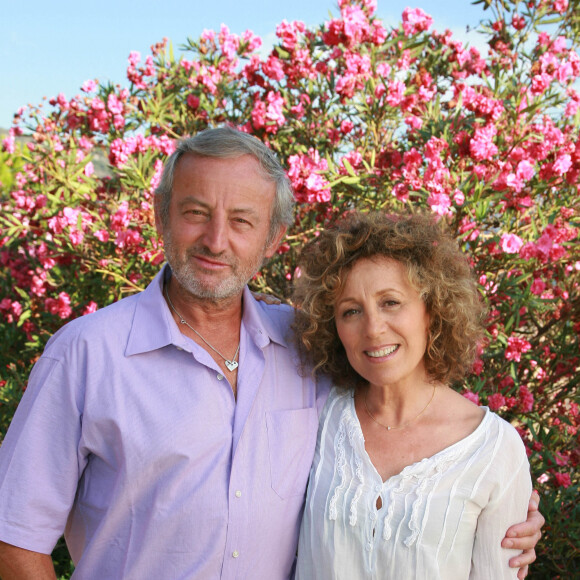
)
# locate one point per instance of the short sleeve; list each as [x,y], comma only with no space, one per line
[508,505]
[39,461]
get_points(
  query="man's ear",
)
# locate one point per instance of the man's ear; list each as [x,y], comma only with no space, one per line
[157,213]
[275,243]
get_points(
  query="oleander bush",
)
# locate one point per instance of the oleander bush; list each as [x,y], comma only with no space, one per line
[363,115]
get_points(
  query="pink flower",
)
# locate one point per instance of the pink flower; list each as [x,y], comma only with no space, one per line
[516,347]
[9,142]
[414,122]
[102,235]
[563,479]
[60,305]
[458,197]
[496,401]
[192,101]
[121,218]
[518,22]
[90,308]
[89,86]
[511,243]
[156,178]
[273,68]
[396,92]
[440,203]
[134,58]
[89,169]
[481,145]
[128,239]
[473,397]
[269,116]
[356,24]
[561,459]
[538,286]
[346,126]
[525,170]
[289,33]
[415,20]
[229,42]
[560,6]
[526,399]
[304,173]
[562,164]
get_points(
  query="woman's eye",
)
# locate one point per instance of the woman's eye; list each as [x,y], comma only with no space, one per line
[349,312]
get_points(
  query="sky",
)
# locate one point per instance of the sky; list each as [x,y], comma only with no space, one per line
[52,47]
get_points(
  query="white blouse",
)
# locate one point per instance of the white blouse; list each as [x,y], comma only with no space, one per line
[441,518]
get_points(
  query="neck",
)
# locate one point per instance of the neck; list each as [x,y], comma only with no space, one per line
[205,313]
[398,406]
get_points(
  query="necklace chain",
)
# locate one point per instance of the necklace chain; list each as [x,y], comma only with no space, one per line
[232,364]
[389,427]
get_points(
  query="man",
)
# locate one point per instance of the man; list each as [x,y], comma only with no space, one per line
[170,435]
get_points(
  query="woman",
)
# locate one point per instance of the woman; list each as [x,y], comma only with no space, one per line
[410,479]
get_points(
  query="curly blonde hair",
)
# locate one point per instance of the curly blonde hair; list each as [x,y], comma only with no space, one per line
[436,267]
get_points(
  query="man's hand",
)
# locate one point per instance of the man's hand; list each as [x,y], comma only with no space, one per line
[525,536]
[19,564]
[267,298]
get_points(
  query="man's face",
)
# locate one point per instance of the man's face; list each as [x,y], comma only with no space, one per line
[218,225]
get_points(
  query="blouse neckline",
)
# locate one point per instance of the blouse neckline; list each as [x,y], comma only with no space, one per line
[418,467]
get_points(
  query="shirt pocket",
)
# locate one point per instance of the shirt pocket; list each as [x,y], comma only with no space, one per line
[291,443]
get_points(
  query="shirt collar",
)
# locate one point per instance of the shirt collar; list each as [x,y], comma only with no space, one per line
[266,322]
[154,327]
[151,328]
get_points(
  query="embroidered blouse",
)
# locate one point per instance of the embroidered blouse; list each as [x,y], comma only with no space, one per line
[441,518]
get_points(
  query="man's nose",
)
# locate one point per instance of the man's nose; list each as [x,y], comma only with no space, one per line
[215,235]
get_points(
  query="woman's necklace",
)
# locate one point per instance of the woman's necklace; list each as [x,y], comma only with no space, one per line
[231,364]
[389,427]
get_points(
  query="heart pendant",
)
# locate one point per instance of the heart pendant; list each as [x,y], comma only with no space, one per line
[232,365]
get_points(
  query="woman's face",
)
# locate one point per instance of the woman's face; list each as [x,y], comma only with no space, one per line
[383,323]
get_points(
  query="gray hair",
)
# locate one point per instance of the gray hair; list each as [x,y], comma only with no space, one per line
[224,143]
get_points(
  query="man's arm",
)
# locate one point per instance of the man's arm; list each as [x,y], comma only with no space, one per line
[19,564]
[525,536]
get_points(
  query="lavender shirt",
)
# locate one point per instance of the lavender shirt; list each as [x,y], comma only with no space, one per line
[129,440]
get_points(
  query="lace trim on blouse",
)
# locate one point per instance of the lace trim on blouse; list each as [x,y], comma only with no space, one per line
[428,470]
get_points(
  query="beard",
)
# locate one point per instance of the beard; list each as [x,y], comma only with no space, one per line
[192,280]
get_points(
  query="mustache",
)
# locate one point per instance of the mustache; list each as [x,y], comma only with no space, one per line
[205,252]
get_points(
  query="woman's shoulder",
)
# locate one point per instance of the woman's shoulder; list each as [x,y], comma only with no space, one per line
[506,432]
[338,401]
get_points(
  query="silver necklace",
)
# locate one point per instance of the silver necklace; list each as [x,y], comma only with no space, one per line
[390,427]
[231,364]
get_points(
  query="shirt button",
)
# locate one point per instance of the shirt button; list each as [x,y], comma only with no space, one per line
[378,487]
[238,493]
[220,377]
[369,547]
[235,554]
[179,348]
[373,516]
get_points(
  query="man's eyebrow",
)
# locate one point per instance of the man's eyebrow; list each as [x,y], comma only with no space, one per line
[237,210]
[191,199]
